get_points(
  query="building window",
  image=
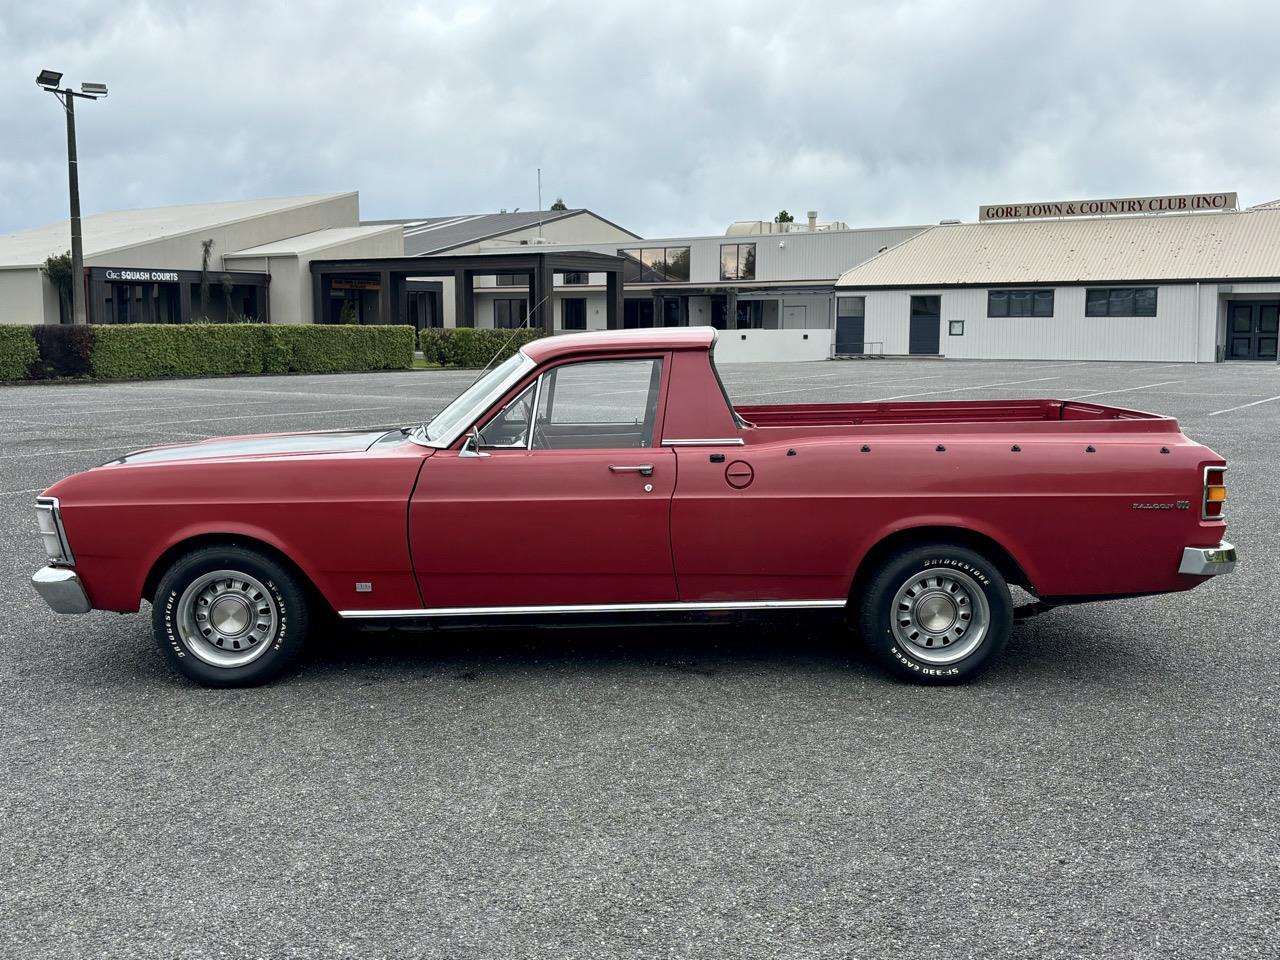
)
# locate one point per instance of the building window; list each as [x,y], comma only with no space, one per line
[750,314]
[509,314]
[512,280]
[637,313]
[576,279]
[955,328]
[1120,302]
[1019,303]
[737,261]
[573,313]
[655,265]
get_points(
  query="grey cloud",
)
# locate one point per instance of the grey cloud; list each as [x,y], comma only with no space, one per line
[666,117]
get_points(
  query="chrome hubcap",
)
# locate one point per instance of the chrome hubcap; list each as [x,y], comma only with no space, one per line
[940,615]
[227,618]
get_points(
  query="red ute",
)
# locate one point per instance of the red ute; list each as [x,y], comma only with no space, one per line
[606,476]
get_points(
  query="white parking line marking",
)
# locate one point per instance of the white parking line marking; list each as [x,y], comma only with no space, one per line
[1243,405]
[268,416]
[305,394]
[977,386]
[1103,393]
[14,493]
[53,453]
[840,386]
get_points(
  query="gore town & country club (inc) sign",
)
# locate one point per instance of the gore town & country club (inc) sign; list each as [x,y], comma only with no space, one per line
[1177,203]
[143,276]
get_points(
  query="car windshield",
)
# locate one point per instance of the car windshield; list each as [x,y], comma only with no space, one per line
[445,426]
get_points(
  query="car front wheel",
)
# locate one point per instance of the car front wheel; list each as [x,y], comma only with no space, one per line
[936,614]
[228,616]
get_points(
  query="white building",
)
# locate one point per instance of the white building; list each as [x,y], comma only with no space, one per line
[773,285]
[1195,287]
[146,265]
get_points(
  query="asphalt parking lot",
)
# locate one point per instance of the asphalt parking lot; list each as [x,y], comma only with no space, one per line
[1110,789]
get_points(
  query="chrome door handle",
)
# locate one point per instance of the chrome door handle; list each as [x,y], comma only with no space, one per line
[644,469]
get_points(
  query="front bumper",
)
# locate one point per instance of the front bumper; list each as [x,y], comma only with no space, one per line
[1208,561]
[61,590]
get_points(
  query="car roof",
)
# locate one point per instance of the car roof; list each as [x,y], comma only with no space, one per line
[658,338]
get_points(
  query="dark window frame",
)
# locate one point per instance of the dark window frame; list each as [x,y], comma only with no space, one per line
[575,278]
[1000,302]
[580,304]
[1109,301]
[740,261]
[641,264]
[506,302]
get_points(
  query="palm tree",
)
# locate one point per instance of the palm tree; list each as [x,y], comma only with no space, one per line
[206,254]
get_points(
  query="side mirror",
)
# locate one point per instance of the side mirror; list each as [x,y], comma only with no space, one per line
[471,448]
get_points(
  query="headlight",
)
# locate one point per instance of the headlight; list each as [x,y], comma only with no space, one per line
[51,532]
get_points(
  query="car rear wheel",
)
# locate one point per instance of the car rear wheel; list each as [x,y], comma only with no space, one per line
[227,616]
[936,614]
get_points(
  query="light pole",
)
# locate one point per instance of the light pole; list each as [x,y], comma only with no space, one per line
[48,80]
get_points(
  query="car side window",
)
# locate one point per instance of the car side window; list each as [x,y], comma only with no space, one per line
[598,404]
[510,428]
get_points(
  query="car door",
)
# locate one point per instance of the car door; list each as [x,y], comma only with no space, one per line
[561,500]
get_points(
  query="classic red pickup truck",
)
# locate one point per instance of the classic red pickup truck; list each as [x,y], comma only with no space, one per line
[607,477]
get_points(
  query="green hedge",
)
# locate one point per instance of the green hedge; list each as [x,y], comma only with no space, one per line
[18,351]
[66,350]
[471,347]
[130,351]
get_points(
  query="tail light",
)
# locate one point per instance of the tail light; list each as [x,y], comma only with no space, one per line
[1215,493]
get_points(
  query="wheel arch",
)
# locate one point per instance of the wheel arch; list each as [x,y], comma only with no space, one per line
[938,533]
[194,542]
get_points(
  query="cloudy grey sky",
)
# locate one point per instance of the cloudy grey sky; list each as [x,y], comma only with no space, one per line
[665,117]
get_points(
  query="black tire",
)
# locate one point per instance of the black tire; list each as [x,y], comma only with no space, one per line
[241,586]
[921,589]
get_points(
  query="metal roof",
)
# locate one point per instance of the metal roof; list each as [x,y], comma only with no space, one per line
[121,229]
[430,235]
[316,240]
[1168,247]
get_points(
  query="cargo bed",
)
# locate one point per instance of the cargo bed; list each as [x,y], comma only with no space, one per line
[949,411]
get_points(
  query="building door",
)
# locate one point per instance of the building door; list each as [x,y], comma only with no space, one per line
[1252,329]
[924,336]
[850,325]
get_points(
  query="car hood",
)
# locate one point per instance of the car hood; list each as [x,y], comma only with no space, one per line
[262,445]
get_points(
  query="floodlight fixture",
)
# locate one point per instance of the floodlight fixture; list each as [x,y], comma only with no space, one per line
[49,81]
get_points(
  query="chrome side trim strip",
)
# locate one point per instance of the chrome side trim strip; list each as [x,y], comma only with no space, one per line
[715,442]
[692,606]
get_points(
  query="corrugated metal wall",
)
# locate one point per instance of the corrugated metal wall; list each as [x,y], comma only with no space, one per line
[1178,332]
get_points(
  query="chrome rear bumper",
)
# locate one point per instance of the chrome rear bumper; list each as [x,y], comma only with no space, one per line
[61,590]
[1208,561]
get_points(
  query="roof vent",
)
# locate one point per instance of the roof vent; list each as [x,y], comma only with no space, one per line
[947,223]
